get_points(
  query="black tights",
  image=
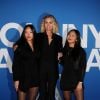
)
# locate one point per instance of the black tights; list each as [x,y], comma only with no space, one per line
[79,94]
[32,94]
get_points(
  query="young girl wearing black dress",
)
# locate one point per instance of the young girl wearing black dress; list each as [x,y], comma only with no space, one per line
[74,65]
[25,68]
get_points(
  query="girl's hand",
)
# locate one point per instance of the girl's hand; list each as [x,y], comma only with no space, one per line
[59,55]
[15,47]
[79,86]
[16,84]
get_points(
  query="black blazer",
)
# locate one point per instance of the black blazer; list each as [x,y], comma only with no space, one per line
[74,59]
[49,54]
[24,63]
[74,66]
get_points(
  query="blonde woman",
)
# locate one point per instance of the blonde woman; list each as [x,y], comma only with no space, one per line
[50,47]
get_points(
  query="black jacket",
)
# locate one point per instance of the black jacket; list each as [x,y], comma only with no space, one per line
[25,68]
[74,66]
[49,54]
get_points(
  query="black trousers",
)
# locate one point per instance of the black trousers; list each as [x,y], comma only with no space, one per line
[47,87]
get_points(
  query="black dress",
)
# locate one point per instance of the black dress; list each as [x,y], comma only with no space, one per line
[48,65]
[74,65]
[25,68]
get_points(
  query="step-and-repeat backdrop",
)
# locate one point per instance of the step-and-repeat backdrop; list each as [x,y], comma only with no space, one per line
[82,15]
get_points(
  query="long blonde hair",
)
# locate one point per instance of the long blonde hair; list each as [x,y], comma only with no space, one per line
[55,24]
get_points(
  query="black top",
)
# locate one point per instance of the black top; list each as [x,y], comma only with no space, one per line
[49,54]
[25,68]
[74,65]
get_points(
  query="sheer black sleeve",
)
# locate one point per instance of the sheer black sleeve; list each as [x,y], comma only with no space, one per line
[82,65]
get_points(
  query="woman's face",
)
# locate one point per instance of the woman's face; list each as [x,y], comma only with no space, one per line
[28,34]
[48,24]
[72,37]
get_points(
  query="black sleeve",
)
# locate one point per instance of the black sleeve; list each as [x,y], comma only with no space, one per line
[62,58]
[39,44]
[59,43]
[82,65]
[18,42]
[16,65]
[40,39]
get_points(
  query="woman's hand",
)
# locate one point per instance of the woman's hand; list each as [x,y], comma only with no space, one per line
[16,84]
[59,56]
[15,47]
[79,86]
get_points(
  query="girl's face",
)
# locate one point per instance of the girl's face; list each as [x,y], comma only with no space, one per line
[28,34]
[72,37]
[48,24]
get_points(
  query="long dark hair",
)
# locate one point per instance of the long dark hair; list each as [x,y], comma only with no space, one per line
[22,39]
[77,46]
